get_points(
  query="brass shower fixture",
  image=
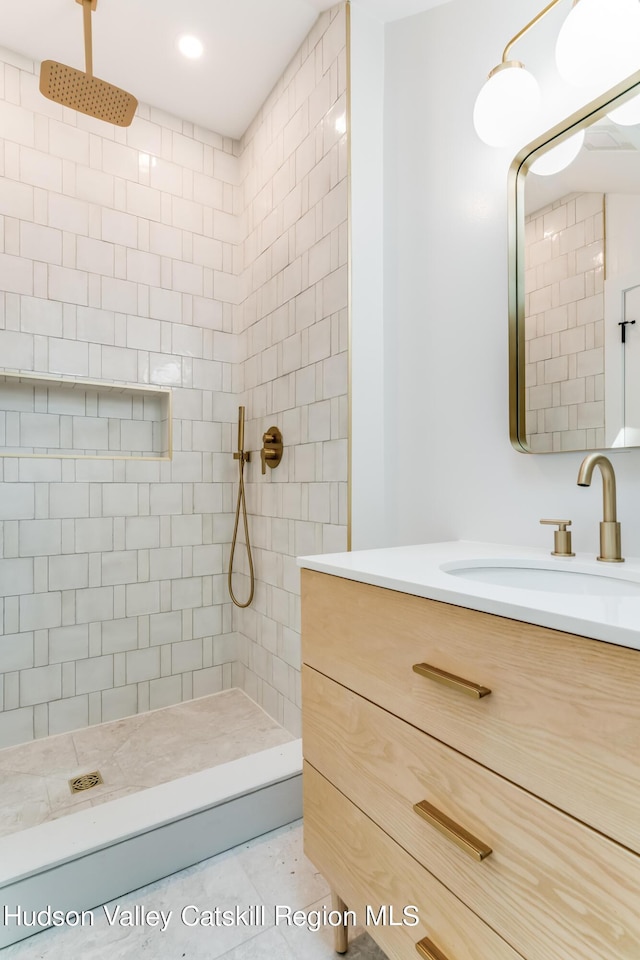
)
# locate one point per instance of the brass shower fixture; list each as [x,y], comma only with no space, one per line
[272,447]
[82,91]
[242,456]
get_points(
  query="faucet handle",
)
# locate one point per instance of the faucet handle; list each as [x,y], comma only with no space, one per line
[561,538]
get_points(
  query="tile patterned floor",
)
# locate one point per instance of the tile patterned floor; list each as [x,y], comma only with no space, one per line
[131,754]
[269,870]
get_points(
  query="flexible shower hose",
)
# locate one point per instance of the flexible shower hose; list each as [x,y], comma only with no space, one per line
[241,506]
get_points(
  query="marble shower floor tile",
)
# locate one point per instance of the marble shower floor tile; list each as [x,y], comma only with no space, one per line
[131,754]
[234,878]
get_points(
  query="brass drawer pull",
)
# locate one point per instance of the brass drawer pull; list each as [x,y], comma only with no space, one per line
[465,840]
[450,680]
[428,950]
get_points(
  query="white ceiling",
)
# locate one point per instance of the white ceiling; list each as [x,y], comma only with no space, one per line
[387,10]
[248,43]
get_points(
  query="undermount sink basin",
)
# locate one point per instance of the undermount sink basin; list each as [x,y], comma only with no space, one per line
[545,578]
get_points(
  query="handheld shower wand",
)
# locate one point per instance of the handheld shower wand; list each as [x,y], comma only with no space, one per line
[241,506]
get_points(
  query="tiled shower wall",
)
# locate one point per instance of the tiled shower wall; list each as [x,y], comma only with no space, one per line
[119,261]
[293,332]
[166,255]
[564,311]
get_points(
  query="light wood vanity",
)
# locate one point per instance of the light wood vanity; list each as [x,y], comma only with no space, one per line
[503,803]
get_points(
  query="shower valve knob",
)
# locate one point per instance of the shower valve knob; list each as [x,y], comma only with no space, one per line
[266,456]
[271,453]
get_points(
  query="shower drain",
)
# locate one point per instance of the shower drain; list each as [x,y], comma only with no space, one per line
[85,781]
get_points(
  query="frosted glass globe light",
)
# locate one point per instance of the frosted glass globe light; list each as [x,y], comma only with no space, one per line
[628,115]
[506,105]
[599,43]
[558,157]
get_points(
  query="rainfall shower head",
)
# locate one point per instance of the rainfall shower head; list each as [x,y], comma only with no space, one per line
[82,91]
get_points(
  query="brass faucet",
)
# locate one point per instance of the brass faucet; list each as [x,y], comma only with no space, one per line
[610,546]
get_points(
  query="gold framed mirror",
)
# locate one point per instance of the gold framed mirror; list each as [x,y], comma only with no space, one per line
[574,281]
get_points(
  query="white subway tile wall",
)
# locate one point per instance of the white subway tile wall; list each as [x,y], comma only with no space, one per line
[564,324]
[292,328]
[49,417]
[104,246]
[167,255]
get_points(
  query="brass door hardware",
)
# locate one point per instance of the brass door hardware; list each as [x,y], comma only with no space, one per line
[450,680]
[461,837]
[623,324]
[83,91]
[561,538]
[428,950]
[272,447]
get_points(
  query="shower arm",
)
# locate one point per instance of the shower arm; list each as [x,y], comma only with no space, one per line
[88,6]
[88,39]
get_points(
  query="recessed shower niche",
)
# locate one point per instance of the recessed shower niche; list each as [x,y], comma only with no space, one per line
[45,416]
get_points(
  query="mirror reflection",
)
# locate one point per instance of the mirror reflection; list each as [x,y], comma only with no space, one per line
[578,262]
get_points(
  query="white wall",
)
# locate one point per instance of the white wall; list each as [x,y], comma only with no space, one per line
[623,235]
[455,474]
[368,428]
[621,300]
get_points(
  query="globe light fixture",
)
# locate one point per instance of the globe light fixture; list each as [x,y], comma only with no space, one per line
[599,42]
[506,105]
[509,101]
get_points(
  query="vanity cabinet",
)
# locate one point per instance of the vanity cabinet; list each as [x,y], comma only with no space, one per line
[496,787]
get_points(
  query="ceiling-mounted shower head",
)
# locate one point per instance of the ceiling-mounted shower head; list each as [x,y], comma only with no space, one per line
[82,91]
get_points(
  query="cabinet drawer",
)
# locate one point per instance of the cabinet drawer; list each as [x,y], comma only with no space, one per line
[365,867]
[563,715]
[580,889]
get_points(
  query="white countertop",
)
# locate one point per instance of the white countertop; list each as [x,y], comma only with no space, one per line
[418,570]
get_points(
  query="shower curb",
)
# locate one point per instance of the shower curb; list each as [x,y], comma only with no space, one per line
[91,857]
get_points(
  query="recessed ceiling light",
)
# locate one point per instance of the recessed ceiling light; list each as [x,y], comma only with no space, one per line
[190,46]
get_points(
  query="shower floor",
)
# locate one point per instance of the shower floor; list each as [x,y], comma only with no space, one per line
[131,755]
